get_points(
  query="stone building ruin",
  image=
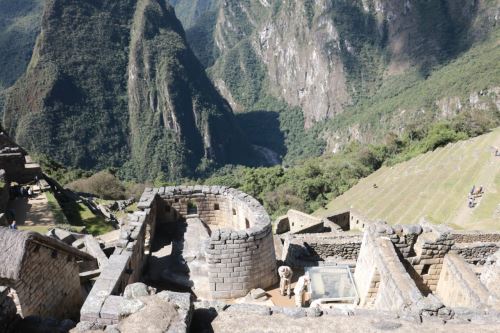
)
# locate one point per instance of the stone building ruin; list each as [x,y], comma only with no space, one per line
[225,245]
[212,249]
[43,273]
[423,268]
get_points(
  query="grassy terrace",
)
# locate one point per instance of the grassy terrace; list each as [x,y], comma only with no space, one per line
[73,216]
[433,185]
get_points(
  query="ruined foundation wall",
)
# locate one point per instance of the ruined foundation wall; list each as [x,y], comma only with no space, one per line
[358,221]
[50,283]
[303,223]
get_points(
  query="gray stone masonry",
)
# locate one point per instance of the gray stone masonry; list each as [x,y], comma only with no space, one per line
[240,253]
[309,249]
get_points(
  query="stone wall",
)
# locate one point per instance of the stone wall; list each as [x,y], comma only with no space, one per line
[490,276]
[458,286]
[303,223]
[240,253]
[17,168]
[475,253]
[341,220]
[430,249]
[306,250]
[476,236]
[124,266]
[357,221]
[381,278]
[50,284]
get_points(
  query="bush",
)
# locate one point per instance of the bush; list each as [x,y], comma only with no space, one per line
[103,184]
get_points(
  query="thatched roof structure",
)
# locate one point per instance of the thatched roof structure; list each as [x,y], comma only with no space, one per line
[13,244]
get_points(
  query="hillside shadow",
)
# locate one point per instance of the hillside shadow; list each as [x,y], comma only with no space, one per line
[263,129]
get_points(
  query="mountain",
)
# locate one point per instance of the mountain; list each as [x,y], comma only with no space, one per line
[433,185]
[113,83]
[333,58]
[19,25]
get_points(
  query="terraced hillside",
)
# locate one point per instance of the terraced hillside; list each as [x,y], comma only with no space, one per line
[433,185]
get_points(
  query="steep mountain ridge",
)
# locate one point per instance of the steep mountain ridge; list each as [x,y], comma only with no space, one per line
[324,55]
[328,57]
[114,82]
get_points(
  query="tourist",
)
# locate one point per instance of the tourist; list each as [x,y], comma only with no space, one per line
[473,189]
[285,274]
[471,202]
[300,290]
[13,225]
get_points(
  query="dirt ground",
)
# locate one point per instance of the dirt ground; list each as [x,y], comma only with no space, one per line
[32,211]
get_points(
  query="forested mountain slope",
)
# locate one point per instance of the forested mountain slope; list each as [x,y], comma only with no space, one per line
[326,57]
[19,25]
[113,83]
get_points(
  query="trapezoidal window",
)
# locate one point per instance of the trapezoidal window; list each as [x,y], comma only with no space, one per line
[216,206]
[192,208]
[234,211]
[247,223]
[425,269]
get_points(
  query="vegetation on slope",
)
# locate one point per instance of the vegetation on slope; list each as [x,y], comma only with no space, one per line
[19,25]
[143,104]
[435,186]
[312,183]
[450,52]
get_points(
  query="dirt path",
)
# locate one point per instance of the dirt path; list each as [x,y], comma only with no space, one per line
[32,211]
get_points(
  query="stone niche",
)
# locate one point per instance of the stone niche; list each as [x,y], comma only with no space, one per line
[239,249]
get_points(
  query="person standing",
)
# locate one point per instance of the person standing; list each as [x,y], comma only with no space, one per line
[285,274]
[300,290]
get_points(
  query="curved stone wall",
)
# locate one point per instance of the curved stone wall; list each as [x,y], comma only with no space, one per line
[240,252]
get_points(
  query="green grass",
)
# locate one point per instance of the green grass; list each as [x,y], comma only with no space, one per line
[76,217]
[79,215]
[56,209]
[434,186]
